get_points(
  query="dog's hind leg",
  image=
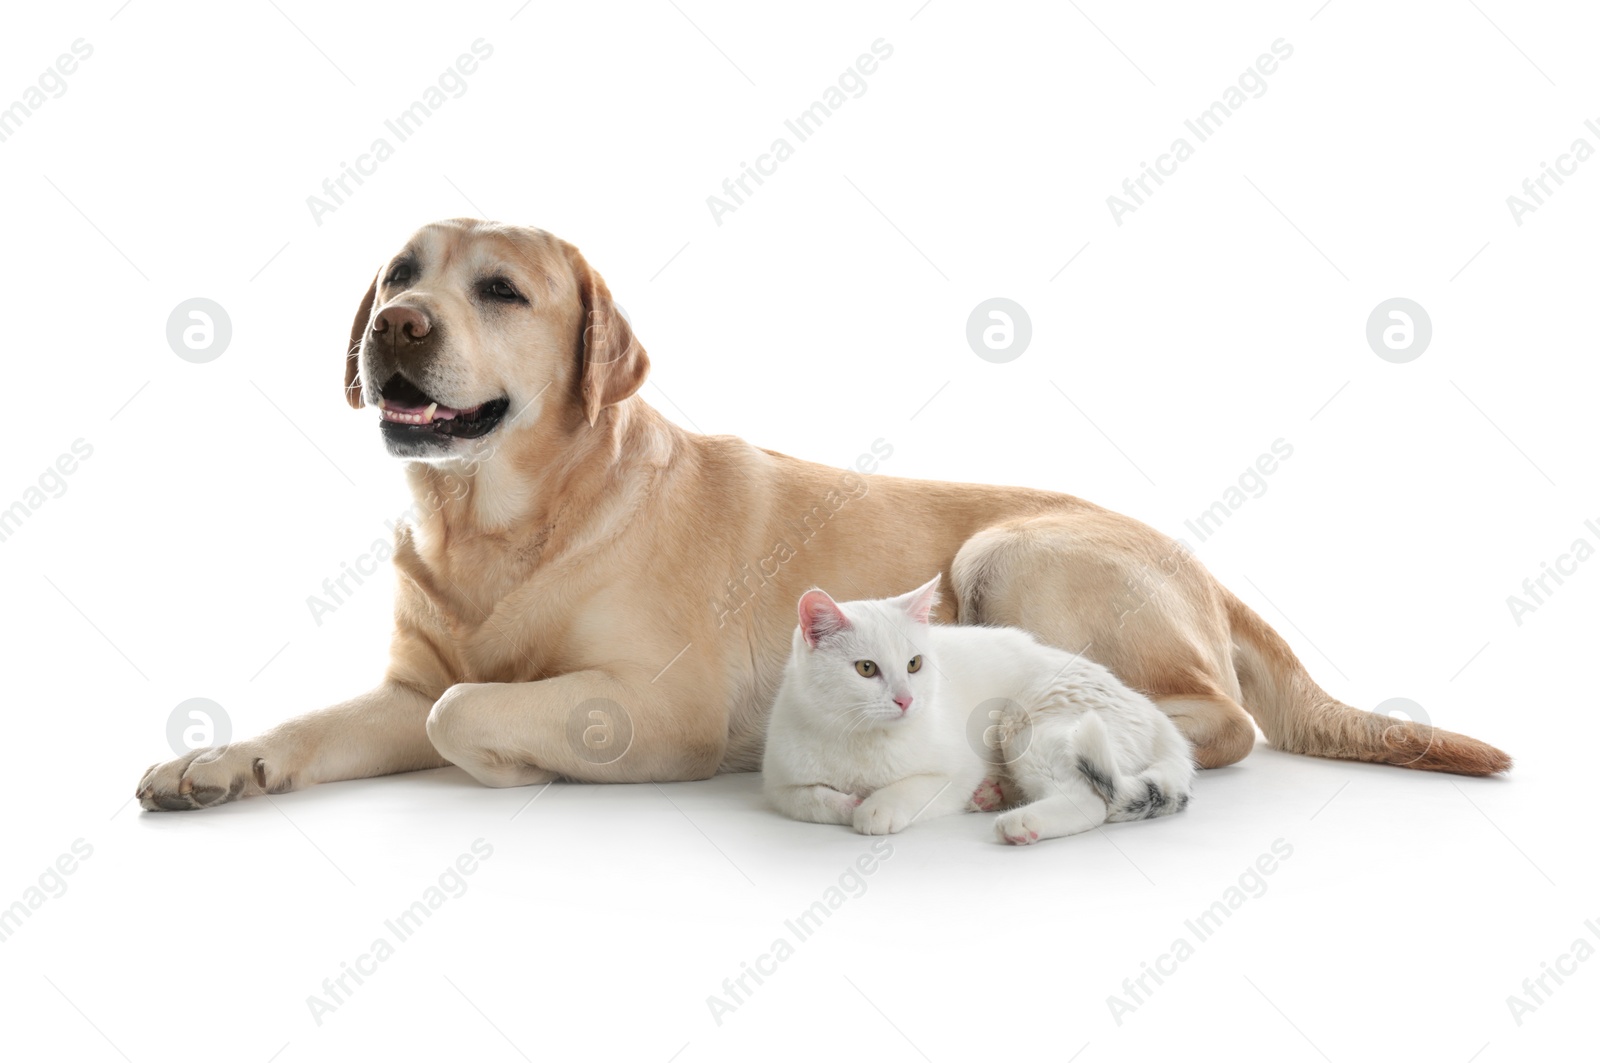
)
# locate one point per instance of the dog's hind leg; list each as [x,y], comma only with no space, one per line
[1124,596]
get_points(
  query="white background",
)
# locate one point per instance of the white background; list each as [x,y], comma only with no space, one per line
[826,312]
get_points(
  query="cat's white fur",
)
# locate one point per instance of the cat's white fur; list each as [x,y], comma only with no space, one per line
[991,716]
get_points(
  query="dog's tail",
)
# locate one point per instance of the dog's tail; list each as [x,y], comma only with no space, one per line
[1151,793]
[1298,716]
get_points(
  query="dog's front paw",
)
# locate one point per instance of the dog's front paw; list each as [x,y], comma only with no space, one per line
[207,777]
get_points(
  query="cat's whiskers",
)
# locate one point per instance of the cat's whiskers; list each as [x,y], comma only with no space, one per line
[858,720]
[855,717]
[847,717]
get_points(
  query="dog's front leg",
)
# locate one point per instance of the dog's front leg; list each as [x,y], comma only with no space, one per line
[585,726]
[378,733]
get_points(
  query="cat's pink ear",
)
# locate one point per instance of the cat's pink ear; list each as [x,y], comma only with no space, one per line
[820,616]
[919,603]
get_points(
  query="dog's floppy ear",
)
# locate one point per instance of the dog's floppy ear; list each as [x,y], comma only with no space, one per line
[612,365]
[352,353]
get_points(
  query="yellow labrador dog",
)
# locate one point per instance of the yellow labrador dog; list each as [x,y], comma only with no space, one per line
[590,592]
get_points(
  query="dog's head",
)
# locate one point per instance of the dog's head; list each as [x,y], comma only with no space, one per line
[475,328]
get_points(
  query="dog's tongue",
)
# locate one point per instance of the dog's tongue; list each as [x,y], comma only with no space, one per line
[394,411]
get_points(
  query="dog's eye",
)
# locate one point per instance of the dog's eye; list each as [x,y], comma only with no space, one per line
[401,274]
[501,289]
[867,668]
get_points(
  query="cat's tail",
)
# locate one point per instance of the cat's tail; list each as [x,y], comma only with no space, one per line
[1298,716]
[1156,791]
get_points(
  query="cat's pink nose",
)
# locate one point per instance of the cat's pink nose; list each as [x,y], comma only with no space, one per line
[904,701]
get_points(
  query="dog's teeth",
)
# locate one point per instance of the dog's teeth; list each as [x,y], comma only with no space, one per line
[427,415]
[381,403]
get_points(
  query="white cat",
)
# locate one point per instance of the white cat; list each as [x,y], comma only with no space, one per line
[883,719]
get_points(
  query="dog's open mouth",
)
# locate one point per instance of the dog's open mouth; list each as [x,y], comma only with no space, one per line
[410,413]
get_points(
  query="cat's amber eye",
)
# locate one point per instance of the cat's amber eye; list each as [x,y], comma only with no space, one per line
[867,668]
[916,664]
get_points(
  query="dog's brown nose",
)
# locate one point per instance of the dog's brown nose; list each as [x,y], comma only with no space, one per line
[400,323]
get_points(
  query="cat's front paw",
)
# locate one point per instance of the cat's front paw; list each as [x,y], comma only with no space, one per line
[840,806]
[882,817]
[1018,827]
[988,796]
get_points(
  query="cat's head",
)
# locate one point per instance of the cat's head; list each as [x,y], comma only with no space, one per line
[868,660]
